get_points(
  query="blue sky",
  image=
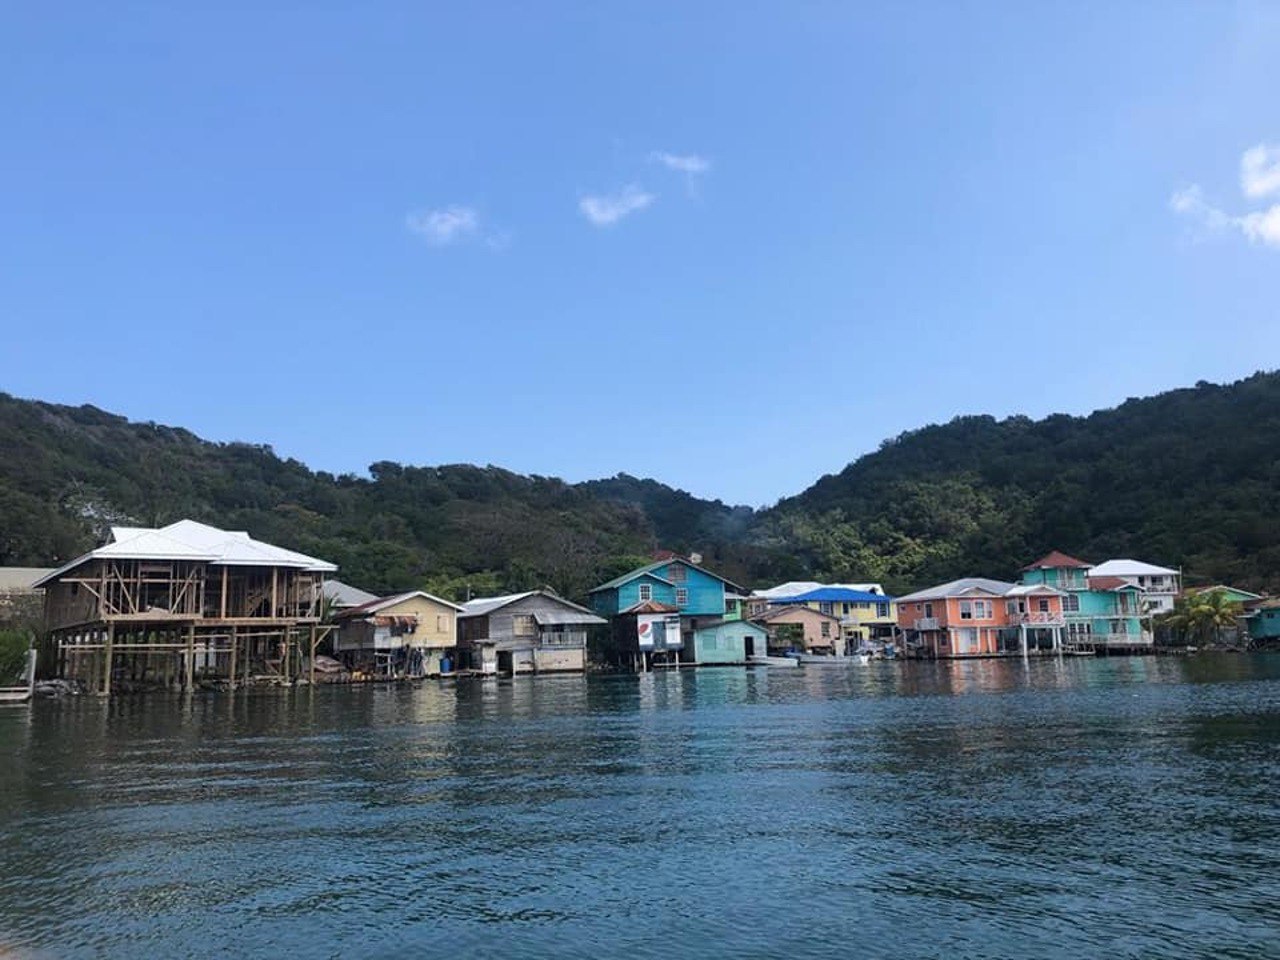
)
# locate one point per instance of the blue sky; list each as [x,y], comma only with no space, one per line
[584,239]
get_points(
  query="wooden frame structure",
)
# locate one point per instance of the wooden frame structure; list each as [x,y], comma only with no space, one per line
[163,621]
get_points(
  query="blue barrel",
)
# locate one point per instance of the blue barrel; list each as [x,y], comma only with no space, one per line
[446,664]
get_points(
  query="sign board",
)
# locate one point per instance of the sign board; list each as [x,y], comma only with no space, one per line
[659,631]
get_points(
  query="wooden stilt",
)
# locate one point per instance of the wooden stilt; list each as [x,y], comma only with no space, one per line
[191,658]
[311,677]
[108,650]
[235,643]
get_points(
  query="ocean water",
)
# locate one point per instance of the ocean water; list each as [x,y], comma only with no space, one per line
[1051,808]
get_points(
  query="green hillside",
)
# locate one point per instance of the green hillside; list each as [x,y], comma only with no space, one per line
[1190,477]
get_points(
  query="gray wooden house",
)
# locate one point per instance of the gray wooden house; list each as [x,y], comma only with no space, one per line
[533,632]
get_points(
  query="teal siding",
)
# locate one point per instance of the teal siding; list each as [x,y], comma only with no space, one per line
[695,593]
[1265,624]
[726,643]
[609,603]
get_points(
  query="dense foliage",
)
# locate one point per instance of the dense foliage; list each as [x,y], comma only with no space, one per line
[1189,478]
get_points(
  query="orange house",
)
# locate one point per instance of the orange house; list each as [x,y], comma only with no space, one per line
[977,617]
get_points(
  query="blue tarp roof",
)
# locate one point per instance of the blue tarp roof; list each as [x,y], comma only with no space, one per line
[837,595]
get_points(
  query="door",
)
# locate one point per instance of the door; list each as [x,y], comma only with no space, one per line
[749,644]
[505,664]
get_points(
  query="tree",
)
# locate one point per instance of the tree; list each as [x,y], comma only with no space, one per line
[1202,616]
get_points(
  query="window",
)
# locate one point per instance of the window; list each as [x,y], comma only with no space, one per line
[966,610]
[882,610]
[682,596]
[826,628]
[646,592]
[676,573]
[1042,605]
[975,609]
[442,623]
[928,611]
[844,608]
[523,625]
[824,607]
[1071,603]
[1011,607]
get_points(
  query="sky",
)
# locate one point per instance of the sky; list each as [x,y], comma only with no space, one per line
[731,246]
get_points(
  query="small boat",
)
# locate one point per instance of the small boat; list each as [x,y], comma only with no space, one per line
[22,692]
[823,659]
[773,661]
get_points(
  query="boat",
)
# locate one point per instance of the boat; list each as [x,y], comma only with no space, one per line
[825,660]
[773,661]
[21,693]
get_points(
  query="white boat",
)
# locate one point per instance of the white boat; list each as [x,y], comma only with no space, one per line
[22,692]
[773,661]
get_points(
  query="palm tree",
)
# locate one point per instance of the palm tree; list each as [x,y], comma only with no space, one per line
[1202,616]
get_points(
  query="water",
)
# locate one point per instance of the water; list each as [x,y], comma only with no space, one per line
[1072,808]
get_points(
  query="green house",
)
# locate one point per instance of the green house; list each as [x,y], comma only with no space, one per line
[728,641]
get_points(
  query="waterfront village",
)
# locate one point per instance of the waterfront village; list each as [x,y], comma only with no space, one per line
[190,605]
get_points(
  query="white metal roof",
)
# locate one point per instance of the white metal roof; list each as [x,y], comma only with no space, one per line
[793,588]
[482,605]
[189,540]
[341,594]
[1130,568]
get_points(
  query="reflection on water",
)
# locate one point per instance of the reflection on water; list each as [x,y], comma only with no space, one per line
[1069,807]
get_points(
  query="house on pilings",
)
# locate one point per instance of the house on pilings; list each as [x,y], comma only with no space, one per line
[182,603]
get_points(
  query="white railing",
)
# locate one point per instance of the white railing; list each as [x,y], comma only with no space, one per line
[926,623]
[1039,619]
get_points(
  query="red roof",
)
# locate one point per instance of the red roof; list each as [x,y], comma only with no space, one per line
[1108,583]
[1056,558]
[651,606]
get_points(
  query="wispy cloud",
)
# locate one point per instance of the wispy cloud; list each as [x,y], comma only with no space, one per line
[444,226]
[1260,171]
[604,210]
[690,163]
[1259,178]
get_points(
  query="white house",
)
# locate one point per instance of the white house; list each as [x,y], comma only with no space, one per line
[1160,585]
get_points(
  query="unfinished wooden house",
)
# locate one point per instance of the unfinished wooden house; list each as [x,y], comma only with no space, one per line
[181,603]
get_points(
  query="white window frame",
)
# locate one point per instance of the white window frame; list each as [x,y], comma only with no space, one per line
[646,592]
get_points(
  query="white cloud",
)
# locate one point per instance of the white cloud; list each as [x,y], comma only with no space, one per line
[690,163]
[444,226]
[1260,171]
[605,210]
[1259,177]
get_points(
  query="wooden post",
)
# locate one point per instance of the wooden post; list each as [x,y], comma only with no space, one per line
[223,606]
[107,652]
[191,657]
[311,678]
[235,642]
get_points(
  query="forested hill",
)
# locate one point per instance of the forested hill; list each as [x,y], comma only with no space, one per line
[1190,477]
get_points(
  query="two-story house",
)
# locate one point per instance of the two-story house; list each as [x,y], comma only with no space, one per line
[407,635]
[1160,585]
[533,632]
[1100,612]
[690,590]
[978,617]
[864,617]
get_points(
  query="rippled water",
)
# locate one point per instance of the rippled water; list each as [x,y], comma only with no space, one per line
[1072,808]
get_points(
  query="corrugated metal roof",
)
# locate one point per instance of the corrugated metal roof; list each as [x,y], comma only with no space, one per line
[794,587]
[483,605]
[189,540]
[344,595]
[21,579]
[957,587]
[837,595]
[378,604]
[1129,568]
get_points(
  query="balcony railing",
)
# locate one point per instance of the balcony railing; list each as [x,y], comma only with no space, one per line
[926,623]
[1038,618]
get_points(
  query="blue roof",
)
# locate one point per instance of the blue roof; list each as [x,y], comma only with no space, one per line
[837,595]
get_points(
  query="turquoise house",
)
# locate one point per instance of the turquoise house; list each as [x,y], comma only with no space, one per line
[1263,622]
[675,582]
[728,641]
[1098,611]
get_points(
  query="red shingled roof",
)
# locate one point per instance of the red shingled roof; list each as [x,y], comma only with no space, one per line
[1056,558]
[1108,583]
